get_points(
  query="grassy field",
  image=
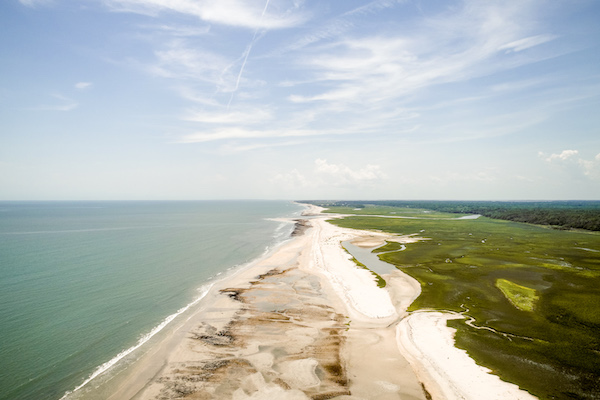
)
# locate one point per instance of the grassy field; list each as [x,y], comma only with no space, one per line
[538,288]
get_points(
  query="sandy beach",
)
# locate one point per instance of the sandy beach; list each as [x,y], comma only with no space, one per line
[305,322]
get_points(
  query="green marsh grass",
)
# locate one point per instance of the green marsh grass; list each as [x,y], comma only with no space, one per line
[552,346]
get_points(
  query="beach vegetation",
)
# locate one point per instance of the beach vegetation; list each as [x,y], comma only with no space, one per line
[535,289]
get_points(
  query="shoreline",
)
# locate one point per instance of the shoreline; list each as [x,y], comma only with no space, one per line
[303,321]
[166,329]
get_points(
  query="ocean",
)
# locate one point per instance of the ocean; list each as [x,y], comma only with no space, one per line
[84,284]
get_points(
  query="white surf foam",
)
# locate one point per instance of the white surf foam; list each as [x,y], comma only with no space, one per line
[107,365]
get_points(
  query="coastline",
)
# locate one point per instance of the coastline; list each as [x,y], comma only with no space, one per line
[151,345]
[304,321]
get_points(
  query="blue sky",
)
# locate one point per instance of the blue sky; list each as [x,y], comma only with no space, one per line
[293,99]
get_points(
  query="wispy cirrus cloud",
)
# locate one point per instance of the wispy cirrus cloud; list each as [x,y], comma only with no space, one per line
[179,31]
[62,103]
[233,147]
[363,75]
[240,13]
[453,46]
[34,3]
[341,75]
[238,132]
[249,116]
[512,86]
[205,73]
[528,42]
[208,61]
[181,61]
[338,25]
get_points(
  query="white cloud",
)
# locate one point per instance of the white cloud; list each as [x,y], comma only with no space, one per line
[456,45]
[250,116]
[514,86]
[339,73]
[187,62]
[571,159]
[199,97]
[336,96]
[182,62]
[232,148]
[83,85]
[242,13]
[237,132]
[591,168]
[340,174]
[526,43]
[563,156]
[180,31]
[33,3]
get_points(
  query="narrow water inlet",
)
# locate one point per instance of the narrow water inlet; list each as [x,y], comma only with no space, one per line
[369,259]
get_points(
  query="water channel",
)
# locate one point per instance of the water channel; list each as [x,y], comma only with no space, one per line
[369,259]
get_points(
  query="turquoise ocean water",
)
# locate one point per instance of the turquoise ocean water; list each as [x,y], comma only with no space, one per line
[81,282]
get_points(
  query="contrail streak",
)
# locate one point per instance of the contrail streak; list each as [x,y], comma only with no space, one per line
[248,50]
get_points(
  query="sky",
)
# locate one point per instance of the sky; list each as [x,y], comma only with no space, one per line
[299,99]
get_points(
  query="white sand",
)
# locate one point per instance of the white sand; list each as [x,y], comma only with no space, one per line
[423,338]
[356,286]
[448,372]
